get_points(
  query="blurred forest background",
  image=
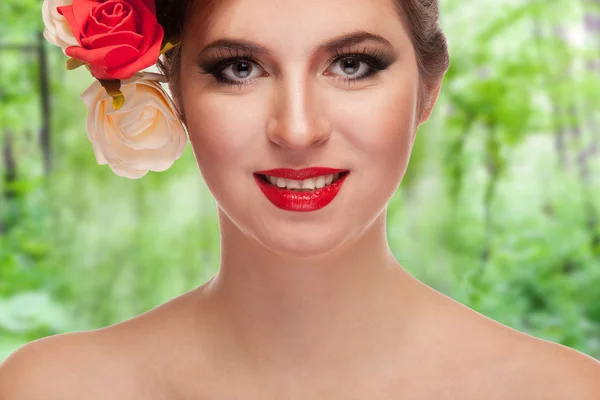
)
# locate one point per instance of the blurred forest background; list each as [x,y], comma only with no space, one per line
[499,209]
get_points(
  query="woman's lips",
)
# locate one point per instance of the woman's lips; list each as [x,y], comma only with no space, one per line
[291,200]
[300,174]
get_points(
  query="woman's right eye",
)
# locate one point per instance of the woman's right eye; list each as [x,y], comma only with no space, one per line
[238,71]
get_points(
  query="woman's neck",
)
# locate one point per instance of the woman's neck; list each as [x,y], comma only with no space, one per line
[287,314]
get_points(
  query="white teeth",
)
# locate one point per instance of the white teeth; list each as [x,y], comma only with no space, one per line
[292,184]
[306,184]
[320,182]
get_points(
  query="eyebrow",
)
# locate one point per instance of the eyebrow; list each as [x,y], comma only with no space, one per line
[350,39]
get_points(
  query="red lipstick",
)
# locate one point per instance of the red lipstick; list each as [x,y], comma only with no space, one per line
[292,200]
[300,174]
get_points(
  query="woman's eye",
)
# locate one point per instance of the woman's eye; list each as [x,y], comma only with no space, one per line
[352,68]
[241,70]
[349,68]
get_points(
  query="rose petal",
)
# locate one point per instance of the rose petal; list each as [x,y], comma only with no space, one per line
[145,60]
[141,157]
[93,94]
[103,59]
[119,55]
[129,23]
[65,35]
[143,135]
[149,24]
[67,12]
[77,15]
[112,39]
[109,15]
[114,62]
[111,12]
[144,91]
[150,132]
[133,123]
[93,127]
[125,171]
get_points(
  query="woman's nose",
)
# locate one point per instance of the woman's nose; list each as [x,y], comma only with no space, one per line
[297,122]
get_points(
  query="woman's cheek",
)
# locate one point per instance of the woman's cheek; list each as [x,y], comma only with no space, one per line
[220,127]
[376,120]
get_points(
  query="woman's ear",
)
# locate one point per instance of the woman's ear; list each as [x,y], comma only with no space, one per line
[176,96]
[431,95]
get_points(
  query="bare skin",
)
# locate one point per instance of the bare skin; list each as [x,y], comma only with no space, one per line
[175,352]
[451,352]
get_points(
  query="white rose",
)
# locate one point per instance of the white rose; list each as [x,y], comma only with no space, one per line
[144,135]
[57,29]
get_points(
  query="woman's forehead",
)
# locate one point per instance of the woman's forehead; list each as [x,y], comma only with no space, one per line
[290,23]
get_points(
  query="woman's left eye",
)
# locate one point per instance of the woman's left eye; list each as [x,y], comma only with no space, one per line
[353,68]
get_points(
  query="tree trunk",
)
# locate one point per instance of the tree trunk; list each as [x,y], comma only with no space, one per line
[45,104]
[10,176]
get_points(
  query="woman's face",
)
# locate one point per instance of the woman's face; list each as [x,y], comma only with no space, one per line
[298,103]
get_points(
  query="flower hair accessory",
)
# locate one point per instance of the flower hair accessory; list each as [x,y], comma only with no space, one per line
[132,122]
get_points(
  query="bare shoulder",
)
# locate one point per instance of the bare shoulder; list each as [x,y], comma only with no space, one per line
[123,361]
[513,364]
[67,366]
[39,369]
[553,371]
[527,367]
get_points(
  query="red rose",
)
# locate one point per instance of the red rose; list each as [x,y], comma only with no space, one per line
[117,38]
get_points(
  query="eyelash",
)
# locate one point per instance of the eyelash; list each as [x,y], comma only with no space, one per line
[377,60]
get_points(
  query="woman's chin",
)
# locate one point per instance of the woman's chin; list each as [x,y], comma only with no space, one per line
[305,244]
[301,238]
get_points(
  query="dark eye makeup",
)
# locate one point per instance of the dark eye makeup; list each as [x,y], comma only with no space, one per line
[375,60]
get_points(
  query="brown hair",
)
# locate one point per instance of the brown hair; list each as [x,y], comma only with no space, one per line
[420,18]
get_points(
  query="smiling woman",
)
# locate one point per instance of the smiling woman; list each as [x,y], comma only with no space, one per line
[302,117]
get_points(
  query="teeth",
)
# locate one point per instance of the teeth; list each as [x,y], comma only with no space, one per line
[291,184]
[306,184]
[309,183]
[320,182]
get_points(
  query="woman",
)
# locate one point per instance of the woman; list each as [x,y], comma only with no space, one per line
[309,302]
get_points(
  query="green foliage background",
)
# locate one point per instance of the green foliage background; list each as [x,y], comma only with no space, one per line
[499,208]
